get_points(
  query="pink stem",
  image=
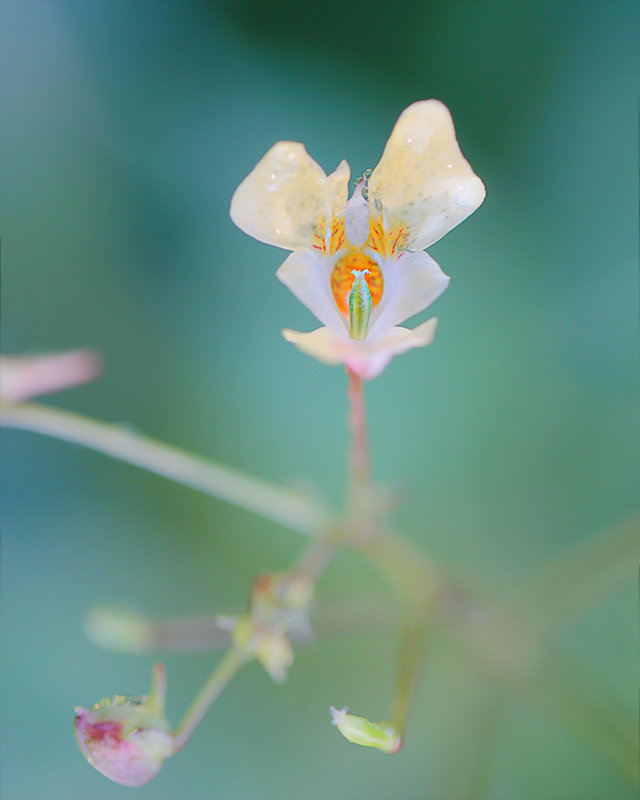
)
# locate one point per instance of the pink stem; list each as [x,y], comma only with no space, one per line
[360,469]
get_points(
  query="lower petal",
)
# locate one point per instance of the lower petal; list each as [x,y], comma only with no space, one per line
[308,277]
[367,358]
[411,283]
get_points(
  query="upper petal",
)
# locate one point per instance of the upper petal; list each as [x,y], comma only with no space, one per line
[423,186]
[287,200]
[308,276]
[367,358]
[411,283]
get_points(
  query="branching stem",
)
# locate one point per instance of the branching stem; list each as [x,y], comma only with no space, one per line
[289,508]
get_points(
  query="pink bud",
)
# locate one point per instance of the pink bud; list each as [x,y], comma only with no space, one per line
[127,738]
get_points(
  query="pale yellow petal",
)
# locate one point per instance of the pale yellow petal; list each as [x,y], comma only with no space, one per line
[288,201]
[423,186]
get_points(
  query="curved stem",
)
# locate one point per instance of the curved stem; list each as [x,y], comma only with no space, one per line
[281,505]
[411,657]
[205,698]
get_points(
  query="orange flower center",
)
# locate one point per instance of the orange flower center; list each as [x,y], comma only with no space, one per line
[342,279]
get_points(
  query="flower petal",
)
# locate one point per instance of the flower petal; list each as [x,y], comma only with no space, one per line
[24,377]
[308,276]
[411,283]
[368,357]
[423,184]
[287,196]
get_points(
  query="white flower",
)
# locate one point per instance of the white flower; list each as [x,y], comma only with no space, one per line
[359,266]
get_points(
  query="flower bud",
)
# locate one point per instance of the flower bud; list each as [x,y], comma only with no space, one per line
[127,738]
[359,730]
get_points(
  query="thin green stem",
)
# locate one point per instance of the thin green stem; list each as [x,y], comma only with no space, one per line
[413,646]
[281,505]
[207,695]
[158,692]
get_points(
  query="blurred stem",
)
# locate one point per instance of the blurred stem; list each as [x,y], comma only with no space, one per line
[191,633]
[317,557]
[585,706]
[281,505]
[569,584]
[417,579]
[218,680]
[126,631]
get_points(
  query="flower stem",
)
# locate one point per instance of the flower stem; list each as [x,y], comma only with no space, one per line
[359,452]
[281,505]
[203,701]
[158,691]
[411,657]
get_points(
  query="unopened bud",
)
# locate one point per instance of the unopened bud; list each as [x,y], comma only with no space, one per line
[127,739]
[360,304]
[359,730]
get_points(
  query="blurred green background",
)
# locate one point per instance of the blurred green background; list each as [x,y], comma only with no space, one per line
[127,126]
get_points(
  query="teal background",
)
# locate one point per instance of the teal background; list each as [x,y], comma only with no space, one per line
[127,126]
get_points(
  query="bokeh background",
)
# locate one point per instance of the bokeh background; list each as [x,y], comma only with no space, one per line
[127,126]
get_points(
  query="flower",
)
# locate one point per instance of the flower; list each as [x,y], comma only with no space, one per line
[127,739]
[278,609]
[359,265]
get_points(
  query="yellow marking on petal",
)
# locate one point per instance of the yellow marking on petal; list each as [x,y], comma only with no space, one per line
[386,243]
[329,242]
[342,278]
